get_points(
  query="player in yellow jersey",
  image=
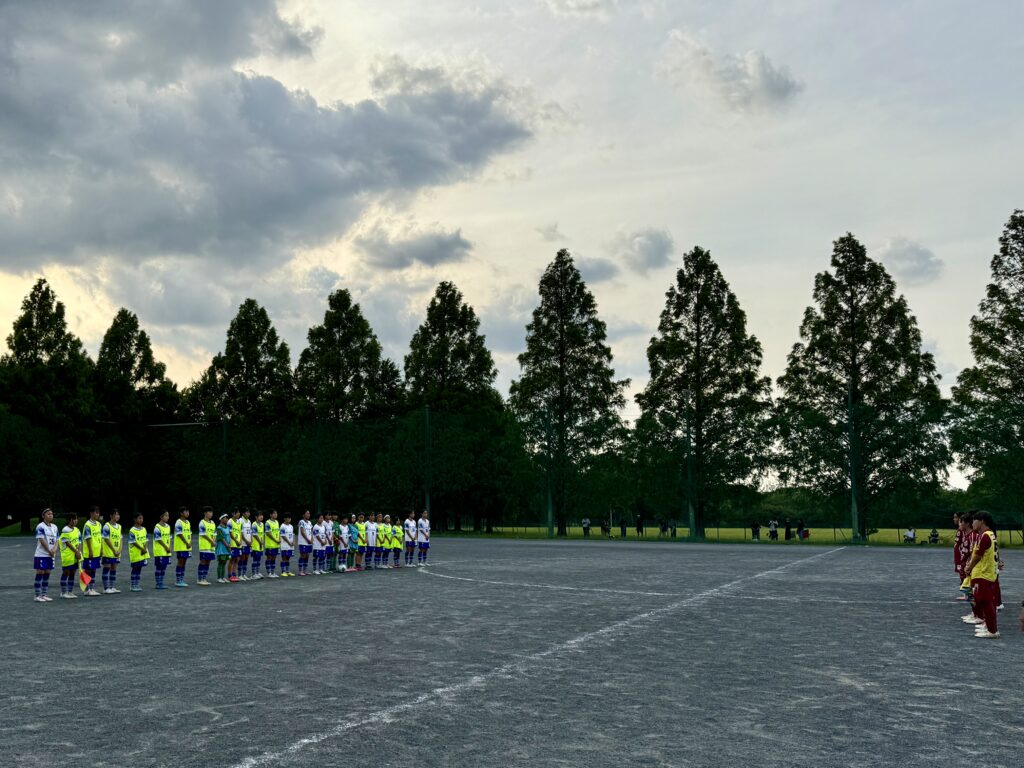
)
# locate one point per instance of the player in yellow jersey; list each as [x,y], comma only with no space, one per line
[161,548]
[138,551]
[396,543]
[207,546]
[111,552]
[92,549]
[983,569]
[360,544]
[272,531]
[258,545]
[182,546]
[70,547]
[236,545]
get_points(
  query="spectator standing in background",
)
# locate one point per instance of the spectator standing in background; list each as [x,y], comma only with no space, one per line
[773,530]
[800,530]
[586,527]
[640,526]
[622,527]
[755,531]
[789,530]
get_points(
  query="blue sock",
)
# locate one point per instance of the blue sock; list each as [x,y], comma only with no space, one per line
[38,584]
[46,583]
[113,577]
[63,583]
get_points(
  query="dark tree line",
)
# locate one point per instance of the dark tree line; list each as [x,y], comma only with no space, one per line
[857,430]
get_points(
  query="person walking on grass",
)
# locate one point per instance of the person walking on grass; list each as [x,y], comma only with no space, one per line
[70,554]
[92,549]
[287,545]
[207,546]
[138,551]
[111,552]
[272,531]
[182,546]
[161,548]
[46,551]
[223,549]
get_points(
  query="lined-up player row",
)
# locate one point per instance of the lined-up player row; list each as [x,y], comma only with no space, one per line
[244,546]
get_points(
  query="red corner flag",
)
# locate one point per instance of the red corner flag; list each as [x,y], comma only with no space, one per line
[84,580]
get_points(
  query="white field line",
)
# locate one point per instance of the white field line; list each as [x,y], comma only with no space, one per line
[557,587]
[446,693]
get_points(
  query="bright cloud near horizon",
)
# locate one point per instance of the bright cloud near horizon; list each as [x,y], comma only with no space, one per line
[177,157]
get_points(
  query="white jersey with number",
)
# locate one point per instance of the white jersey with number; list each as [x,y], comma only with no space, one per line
[424,529]
[48,533]
[287,537]
[371,534]
[344,535]
[246,533]
[305,533]
[410,531]
[318,537]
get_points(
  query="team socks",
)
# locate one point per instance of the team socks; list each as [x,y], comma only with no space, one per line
[136,576]
[220,569]
[111,578]
[303,563]
[106,577]
[160,571]
[39,584]
[203,570]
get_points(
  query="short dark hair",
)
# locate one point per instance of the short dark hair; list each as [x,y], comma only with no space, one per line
[207,508]
[967,517]
[986,518]
[138,516]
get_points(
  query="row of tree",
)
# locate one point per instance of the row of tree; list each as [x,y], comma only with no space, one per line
[858,429]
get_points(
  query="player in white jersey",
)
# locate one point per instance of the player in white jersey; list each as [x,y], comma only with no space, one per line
[344,539]
[287,546]
[243,561]
[423,536]
[305,543]
[410,537]
[319,545]
[46,551]
[371,541]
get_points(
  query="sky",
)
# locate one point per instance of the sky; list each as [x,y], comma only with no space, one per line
[178,156]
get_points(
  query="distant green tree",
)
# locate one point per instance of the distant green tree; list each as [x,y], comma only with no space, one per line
[860,360]
[448,361]
[131,386]
[342,374]
[706,398]
[251,381]
[988,399]
[46,379]
[567,398]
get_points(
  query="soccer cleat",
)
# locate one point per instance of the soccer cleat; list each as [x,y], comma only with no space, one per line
[181,584]
[233,580]
[986,635]
[115,591]
[161,586]
[203,583]
[72,596]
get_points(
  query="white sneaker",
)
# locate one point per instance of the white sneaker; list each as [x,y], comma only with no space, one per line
[986,635]
[1000,607]
[65,596]
[109,591]
[972,619]
[243,578]
[47,599]
[91,593]
[39,599]
[115,591]
[72,596]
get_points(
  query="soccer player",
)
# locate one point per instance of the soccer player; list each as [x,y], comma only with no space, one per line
[353,542]
[111,552]
[138,551]
[70,554]
[360,541]
[258,545]
[396,544]
[236,545]
[273,534]
[287,546]
[371,541]
[46,551]
[223,548]
[319,544]
[344,537]
[966,546]
[410,537]
[327,559]
[383,541]
[423,534]
[207,546]
[983,569]
[92,548]
[182,546]
[243,561]
[305,543]
[161,548]
[957,554]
